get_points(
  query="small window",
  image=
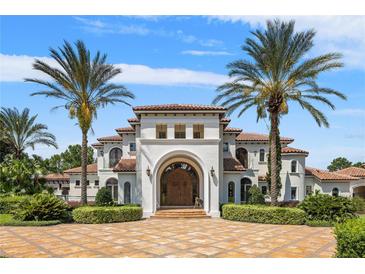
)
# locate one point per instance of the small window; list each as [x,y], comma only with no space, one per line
[198,131]
[87,182]
[114,156]
[96,182]
[127,193]
[293,193]
[225,147]
[161,131]
[294,166]
[262,155]
[77,182]
[335,192]
[132,147]
[264,190]
[308,190]
[180,131]
[231,192]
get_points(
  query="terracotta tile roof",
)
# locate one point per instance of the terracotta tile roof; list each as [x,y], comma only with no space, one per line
[293,150]
[97,145]
[114,138]
[125,165]
[231,164]
[353,171]
[225,120]
[256,137]
[133,120]
[57,176]
[262,178]
[179,107]
[232,130]
[92,168]
[325,175]
[125,129]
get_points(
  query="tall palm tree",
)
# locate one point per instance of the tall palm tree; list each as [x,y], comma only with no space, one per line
[83,85]
[19,131]
[277,72]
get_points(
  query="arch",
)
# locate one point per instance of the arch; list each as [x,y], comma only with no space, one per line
[246,184]
[114,156]
[127,193]
[112,185]
[231,188]
[335,192]
[294,166]
[242,156]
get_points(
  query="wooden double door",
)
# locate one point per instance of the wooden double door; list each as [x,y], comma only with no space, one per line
[179,188]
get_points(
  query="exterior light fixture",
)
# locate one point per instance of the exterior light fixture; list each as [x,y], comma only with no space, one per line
[212,171]
[148,171]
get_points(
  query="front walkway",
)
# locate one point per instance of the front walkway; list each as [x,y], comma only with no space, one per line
[168,238]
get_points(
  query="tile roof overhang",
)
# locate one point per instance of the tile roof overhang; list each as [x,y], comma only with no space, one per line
[232,164]
[232,130]
[97,145]
[125,130]
[185,108]
[291,150]
[114,138]
[125,165]
[325,175]
[57,176]
[259,138]
[352,171]
[92,168]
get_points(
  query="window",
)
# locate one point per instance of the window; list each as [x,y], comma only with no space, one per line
[293,193]
[96,182]
[245,188]
[112,185]
[225,147]
[231,192]
[242,156]
[77,182]
[114,156]
[127,193]
[262,155]
[335,192]
[132,147]
[161,131]
[308,190]
[264,190]
[87,182]
[293,166]
[198,131]
[179,131]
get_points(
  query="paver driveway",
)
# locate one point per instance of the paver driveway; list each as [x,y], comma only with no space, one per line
[167,238]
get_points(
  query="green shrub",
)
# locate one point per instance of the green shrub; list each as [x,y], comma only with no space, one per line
[10,203]
[350,237]
[104,197]
[8,220]
[42,207]
[320,223]
[255,196]
[327,208]
[263,214]
[359,204]
[112,214]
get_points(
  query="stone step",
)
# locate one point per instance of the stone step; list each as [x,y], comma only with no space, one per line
[181,213]
[180,216]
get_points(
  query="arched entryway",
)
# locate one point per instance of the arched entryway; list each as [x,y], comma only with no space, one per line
[359,191]
[179,185]
[245,187]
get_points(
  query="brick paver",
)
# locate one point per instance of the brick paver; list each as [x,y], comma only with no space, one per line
[168,238]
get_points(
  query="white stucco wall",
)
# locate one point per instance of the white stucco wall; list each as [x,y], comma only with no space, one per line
[75,191]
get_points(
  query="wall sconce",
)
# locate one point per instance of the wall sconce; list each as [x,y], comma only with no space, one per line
[255,153]
[102,153]
[148,171]
[212,171]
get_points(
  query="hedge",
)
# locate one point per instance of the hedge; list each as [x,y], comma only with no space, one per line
[8,220]
[350,237]
[10,203]
[263,214]
[106,214]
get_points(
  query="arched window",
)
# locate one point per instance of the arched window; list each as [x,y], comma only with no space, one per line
[242,156]
[335,192]
[127,193]
[262,155]
[114,156]
[231,192]
[245,187]
[112,185]
[293,166]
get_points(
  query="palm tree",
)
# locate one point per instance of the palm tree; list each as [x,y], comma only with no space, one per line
[83,85]
[279,71]
[19,131]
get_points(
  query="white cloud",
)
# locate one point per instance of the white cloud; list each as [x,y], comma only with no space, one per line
[14,68]
[205,53]
[345,34]
[351,112]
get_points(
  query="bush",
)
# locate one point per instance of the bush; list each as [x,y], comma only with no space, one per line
[8,220]
[112,214]
[359,204]
[263,214]
[10,203]
[350,237]
[319,223]
[104,197]
[327,208]
[42,207]
[255,196]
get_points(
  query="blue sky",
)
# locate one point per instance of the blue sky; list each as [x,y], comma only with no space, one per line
[182,60]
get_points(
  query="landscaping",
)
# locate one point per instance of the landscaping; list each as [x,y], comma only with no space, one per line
[8,220]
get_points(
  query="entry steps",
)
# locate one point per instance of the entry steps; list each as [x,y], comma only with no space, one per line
[180,213]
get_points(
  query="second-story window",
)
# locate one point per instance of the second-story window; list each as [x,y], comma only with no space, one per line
[132,147]
[114,156]
[161,131]
[262,155]
[180,131]
[225,147]
[293,166]
[198,131]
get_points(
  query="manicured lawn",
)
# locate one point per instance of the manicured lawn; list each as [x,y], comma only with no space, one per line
[8,220]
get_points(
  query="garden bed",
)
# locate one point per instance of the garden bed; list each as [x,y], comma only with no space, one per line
[8,220]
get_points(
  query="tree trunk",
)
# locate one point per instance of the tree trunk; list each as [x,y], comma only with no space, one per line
[84,169]
[274,119]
